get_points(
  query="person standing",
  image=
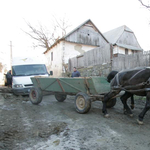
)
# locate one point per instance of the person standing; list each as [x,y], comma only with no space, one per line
[9,78]
[75,73]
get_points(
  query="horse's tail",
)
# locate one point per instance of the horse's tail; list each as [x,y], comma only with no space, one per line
[111,75]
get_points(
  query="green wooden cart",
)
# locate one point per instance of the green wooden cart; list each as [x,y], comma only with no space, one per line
[85,89]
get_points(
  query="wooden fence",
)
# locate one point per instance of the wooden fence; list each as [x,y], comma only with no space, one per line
[93,57]
[131,61]
[100,56]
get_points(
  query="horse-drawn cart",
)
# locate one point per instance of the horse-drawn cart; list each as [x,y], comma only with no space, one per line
[85,89]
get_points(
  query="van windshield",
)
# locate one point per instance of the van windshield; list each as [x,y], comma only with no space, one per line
[27,70]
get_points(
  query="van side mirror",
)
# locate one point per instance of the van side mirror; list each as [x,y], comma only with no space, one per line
[51,73]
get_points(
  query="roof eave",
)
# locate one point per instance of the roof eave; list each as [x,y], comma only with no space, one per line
[53,45]
[128,47]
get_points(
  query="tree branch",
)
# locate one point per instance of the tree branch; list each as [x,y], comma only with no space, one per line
[147,6]
[44,37]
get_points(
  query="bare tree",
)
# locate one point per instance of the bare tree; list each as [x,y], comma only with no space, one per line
[46,37]
[43,37]
[145,5]
[2,67]
[61,24]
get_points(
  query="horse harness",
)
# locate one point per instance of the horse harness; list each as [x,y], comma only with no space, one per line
[127,88]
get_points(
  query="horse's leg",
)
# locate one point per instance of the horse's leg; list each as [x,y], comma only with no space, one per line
[124,99]
[132,102]
[146,108]
[107,97]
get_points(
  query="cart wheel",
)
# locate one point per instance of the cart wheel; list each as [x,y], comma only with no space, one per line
[111,103]
[60,97]
[35,95]
[82,103]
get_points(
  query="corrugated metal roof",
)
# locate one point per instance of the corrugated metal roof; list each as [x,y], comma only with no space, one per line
[129,47]
[113,35]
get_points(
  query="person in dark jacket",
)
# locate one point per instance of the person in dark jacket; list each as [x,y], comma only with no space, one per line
[75,73]
[9,78]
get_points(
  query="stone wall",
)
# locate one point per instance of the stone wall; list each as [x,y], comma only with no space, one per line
[97,70]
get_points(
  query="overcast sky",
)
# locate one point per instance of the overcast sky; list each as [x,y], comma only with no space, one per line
[105,14]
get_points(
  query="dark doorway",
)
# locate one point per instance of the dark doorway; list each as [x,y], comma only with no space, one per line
[126,51]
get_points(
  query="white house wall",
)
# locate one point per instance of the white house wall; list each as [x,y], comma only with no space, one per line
[61,54]
[56,64]
[73,49]
[120,50]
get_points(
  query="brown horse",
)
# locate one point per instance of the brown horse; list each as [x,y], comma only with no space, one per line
[135,81]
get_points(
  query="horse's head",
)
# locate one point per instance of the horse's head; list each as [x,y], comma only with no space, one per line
[111,75]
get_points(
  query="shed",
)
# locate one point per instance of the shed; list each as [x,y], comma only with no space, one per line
[124,40]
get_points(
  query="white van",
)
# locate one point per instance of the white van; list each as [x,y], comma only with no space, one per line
[22,70]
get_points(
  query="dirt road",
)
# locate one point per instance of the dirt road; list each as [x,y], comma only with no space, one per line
[53,125]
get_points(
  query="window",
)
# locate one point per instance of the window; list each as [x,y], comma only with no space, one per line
[51,56]
[29,70]
[126,51]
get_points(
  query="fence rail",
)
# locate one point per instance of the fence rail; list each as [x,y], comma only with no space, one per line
[93,57]
[102,55]
[131,61]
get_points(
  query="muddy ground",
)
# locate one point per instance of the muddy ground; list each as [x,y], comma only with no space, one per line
[53,125]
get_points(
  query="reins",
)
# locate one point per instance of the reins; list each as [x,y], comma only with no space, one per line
[136,74]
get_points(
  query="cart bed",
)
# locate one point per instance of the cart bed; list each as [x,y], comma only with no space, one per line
[72,86]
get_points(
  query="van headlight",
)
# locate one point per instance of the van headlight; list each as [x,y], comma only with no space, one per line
[18,86]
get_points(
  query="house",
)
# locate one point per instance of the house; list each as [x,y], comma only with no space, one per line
[83,38]
[123,40]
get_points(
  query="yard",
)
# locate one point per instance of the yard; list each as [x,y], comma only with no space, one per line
[53,125]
